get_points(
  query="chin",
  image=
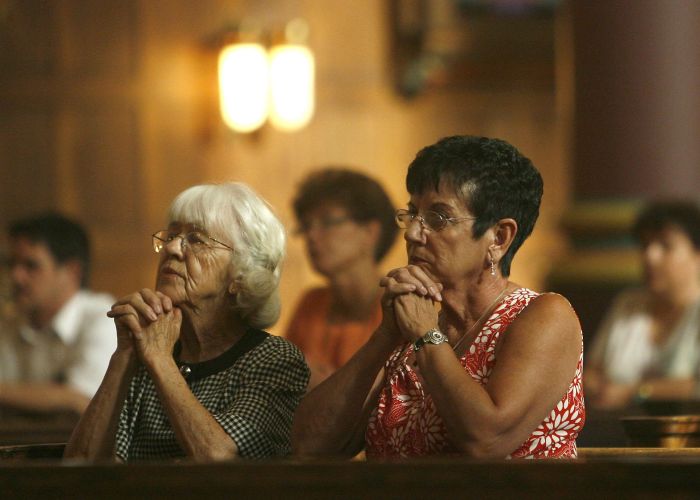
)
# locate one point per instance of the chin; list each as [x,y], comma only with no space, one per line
[657,288]
[170,291]
[321,269]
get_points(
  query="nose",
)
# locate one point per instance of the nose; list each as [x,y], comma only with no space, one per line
[415,232]
[176,246]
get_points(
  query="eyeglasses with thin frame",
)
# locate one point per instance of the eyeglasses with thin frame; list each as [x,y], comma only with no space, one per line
[322,223]
[195,240]
[430,220]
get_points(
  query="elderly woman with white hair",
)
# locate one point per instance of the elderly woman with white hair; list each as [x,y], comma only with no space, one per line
[194,375]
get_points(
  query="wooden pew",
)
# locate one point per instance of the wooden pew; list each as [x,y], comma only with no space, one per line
[637,453]
[18,428]
[612,477]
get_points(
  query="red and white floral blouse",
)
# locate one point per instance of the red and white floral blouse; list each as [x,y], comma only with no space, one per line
[405,423]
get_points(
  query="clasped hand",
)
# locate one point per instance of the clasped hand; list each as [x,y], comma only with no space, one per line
[408,302]
[148,322]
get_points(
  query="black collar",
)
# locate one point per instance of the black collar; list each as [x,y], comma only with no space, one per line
[195,371]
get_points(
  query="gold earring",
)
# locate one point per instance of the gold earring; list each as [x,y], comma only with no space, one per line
[493,268]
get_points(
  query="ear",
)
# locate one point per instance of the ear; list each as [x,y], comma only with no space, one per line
[504,232]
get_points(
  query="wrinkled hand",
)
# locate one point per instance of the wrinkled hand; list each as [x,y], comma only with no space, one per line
[158,338]
[408,302]
[415,315]
[135,312]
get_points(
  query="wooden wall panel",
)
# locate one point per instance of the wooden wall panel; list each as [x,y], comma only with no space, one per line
[28,35]
[99,39]
[27,180]
[107,165]
[126,118]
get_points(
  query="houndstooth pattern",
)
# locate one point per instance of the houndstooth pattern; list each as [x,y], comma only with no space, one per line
[253,400]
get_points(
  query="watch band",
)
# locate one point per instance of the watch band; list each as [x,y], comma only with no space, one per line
[432,336]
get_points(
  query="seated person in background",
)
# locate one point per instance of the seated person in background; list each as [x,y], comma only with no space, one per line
[649,342]
[56,344]
[193,374]
[347,221]
[497,371]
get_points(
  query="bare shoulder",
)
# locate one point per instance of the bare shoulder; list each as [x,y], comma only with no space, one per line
[549,314]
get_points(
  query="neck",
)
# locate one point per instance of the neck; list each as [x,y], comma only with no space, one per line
[207,336]
[462,309]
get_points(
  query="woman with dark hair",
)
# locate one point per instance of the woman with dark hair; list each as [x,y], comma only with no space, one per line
[465,361]
[648,345]
[347,222]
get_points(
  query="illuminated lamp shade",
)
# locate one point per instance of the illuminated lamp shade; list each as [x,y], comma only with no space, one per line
[243,86]
[291,86]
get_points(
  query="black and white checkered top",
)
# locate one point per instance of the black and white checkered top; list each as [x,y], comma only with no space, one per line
[252,390]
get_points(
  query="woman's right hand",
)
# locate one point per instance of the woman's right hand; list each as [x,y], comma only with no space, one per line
[403,281]
[134,312]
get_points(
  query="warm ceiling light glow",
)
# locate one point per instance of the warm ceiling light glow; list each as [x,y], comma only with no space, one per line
[291,86]
[243,86]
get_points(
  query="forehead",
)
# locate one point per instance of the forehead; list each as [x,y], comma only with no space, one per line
[444,198]
[185,227]
[327,208]
[22,248]
[667,233]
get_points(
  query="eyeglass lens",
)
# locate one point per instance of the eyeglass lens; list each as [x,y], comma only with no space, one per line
[430,220]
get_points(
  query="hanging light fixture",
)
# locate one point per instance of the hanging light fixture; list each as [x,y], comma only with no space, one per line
[243,85]
[256,85]
[292,71]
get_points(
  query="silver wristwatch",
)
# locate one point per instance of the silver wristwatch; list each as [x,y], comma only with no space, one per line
[432,336]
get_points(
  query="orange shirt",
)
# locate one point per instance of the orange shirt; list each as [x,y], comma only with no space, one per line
[324,343]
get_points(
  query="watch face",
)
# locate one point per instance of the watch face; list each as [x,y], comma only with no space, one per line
[435,337]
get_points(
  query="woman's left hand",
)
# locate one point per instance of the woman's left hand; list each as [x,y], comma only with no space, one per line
[157,340]
[415,315]
[414,296]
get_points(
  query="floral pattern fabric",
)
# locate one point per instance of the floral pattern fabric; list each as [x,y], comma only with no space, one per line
[405,422]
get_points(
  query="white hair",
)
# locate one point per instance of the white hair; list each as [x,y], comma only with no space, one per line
[234,212]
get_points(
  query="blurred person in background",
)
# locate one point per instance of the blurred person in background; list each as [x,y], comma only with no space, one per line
[55,338]
[194,375]
[347,221]
[648,345]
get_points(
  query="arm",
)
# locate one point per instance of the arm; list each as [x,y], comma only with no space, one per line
[537,360]
[332,418]
[42,397]
[94,436]
[666,388]
[198,433]
[196,430]
[90,355]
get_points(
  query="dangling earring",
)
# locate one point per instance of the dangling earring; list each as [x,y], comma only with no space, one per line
[493,268]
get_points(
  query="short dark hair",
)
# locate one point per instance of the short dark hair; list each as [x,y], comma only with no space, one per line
[65,238]
[362,197]
[658,215]
[491,177]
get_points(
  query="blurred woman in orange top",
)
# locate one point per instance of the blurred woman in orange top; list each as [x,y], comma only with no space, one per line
[347,221]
